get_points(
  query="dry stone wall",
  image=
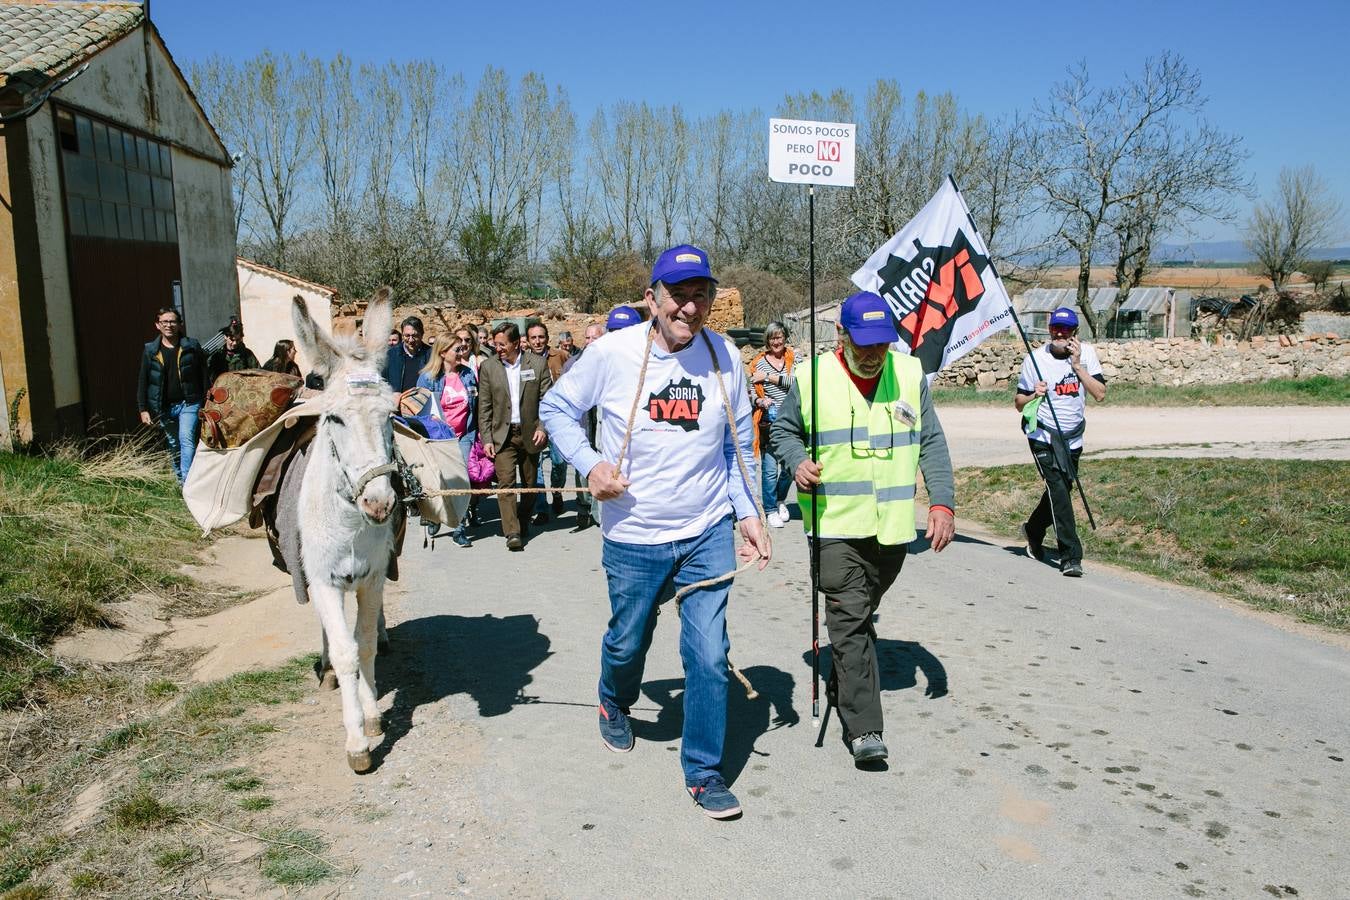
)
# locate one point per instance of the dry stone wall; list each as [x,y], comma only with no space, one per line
[1172,361]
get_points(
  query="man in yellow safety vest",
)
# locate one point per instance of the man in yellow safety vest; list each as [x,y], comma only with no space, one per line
[875,428]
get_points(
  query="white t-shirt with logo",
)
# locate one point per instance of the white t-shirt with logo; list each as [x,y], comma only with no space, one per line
[681,460]
[1062,389]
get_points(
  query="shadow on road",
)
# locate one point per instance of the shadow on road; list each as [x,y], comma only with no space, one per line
[434,657]
[900,663]
[920,544]
[746,719]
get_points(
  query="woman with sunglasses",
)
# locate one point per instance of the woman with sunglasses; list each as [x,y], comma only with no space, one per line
[454,392]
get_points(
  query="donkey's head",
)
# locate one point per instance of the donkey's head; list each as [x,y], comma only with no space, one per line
[355,407]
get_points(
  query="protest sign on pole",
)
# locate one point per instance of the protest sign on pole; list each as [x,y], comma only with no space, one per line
[813,153]
[939,283]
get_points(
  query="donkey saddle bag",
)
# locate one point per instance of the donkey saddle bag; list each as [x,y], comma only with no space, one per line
[241,404]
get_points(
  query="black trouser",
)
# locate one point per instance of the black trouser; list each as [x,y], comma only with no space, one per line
[1056,506]
[854,574]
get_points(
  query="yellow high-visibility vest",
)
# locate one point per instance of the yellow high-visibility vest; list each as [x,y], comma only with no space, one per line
[869,454]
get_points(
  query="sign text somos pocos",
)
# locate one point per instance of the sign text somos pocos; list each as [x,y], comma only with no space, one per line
[803,152]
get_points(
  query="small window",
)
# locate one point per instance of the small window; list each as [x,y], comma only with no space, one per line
[65,126]
[84,130]
[115,145]
[129,150]
[124,227]
[165,161]
[81,176]
[143,154]
[163,193]
[137,225]
[138,185]
[101,141]
[75,210]
[109,219]
[93,214]
[112,182]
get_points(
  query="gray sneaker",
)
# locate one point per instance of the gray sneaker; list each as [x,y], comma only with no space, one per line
[868,747]
[1072,569]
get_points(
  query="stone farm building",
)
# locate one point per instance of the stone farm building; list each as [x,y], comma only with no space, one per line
[115,200]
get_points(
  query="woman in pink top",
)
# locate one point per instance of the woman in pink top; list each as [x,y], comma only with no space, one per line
[454,391]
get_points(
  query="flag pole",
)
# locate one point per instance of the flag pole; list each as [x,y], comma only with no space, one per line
[815,458]
[1026,342]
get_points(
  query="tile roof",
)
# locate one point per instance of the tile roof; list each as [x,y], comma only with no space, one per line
[40,39]
[286,277]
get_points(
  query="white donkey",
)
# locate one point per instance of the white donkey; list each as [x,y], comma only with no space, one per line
[345,510]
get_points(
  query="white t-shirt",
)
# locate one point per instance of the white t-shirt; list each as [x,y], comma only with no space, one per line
[1062,389]
[681,460]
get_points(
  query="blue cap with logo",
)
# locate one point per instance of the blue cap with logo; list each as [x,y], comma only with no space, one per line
[868,320]
[622,317]
[1064,317]
[681,264]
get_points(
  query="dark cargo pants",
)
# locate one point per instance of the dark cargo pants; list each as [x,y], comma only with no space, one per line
[854,574]
[1056,507]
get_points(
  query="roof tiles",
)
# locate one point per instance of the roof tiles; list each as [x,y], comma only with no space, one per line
[40,39]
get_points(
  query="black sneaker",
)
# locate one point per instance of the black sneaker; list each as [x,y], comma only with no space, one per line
[714,797]
[541,518]
[1035,546]
[1072,569]
[614,728]
[868,747]
[584,521]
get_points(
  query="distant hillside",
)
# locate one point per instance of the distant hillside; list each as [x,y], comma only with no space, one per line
[1228,251]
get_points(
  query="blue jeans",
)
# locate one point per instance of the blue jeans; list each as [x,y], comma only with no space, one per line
[775,479]
[465,446]
[641,575]
[181,426]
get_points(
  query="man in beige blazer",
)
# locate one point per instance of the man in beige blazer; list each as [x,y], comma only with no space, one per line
[509,388]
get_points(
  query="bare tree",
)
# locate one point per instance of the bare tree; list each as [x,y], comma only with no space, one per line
[1102,147]
[1283,230]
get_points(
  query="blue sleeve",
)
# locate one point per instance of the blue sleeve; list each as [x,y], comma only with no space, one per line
[742,498]
[562,408]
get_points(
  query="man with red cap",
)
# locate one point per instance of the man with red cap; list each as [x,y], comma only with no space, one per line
[673,491]
[875,428]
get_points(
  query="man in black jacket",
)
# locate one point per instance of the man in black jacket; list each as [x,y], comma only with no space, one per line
[407,357]
[233,356]
[171,388]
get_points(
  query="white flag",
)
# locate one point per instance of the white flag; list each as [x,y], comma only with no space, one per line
[937,279]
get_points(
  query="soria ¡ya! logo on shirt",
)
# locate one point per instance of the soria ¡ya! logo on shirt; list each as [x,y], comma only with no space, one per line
[678,403]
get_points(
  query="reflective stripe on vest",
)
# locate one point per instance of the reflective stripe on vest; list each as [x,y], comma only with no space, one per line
[868,456]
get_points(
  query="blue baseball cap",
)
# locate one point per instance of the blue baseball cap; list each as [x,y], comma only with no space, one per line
[681,264]
[1065,317]
[868,320]
[622,317]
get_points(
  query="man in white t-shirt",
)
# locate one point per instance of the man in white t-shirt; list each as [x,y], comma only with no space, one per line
[669,505]
[1055,377]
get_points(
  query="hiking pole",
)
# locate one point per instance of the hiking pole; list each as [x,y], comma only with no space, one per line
[815,458]
[1073,468]
[1027,343]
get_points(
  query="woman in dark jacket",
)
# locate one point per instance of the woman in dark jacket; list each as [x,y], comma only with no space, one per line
[283,358]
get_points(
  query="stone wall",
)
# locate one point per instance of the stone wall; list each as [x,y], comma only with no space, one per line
[1172,361]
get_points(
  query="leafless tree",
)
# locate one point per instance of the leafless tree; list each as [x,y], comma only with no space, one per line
[1103,145]
[1302,216]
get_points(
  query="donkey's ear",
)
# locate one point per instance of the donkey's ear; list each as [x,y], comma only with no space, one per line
[317,346]
[379,320]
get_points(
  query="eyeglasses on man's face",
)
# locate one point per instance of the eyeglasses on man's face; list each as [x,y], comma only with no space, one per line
[167,322]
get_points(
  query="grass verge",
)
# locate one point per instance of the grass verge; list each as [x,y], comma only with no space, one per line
[1274,533]
[78,531]
[178,785]
[1319,390]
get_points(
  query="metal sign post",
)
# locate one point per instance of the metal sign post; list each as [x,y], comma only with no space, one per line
[813,154]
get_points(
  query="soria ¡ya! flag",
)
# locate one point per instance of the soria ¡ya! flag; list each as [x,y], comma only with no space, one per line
[937,279]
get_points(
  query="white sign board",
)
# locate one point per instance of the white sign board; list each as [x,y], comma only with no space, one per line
[802,152]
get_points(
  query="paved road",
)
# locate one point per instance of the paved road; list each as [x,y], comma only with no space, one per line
[1106,737]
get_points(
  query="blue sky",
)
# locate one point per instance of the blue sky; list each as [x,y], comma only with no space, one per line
[1275,73]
